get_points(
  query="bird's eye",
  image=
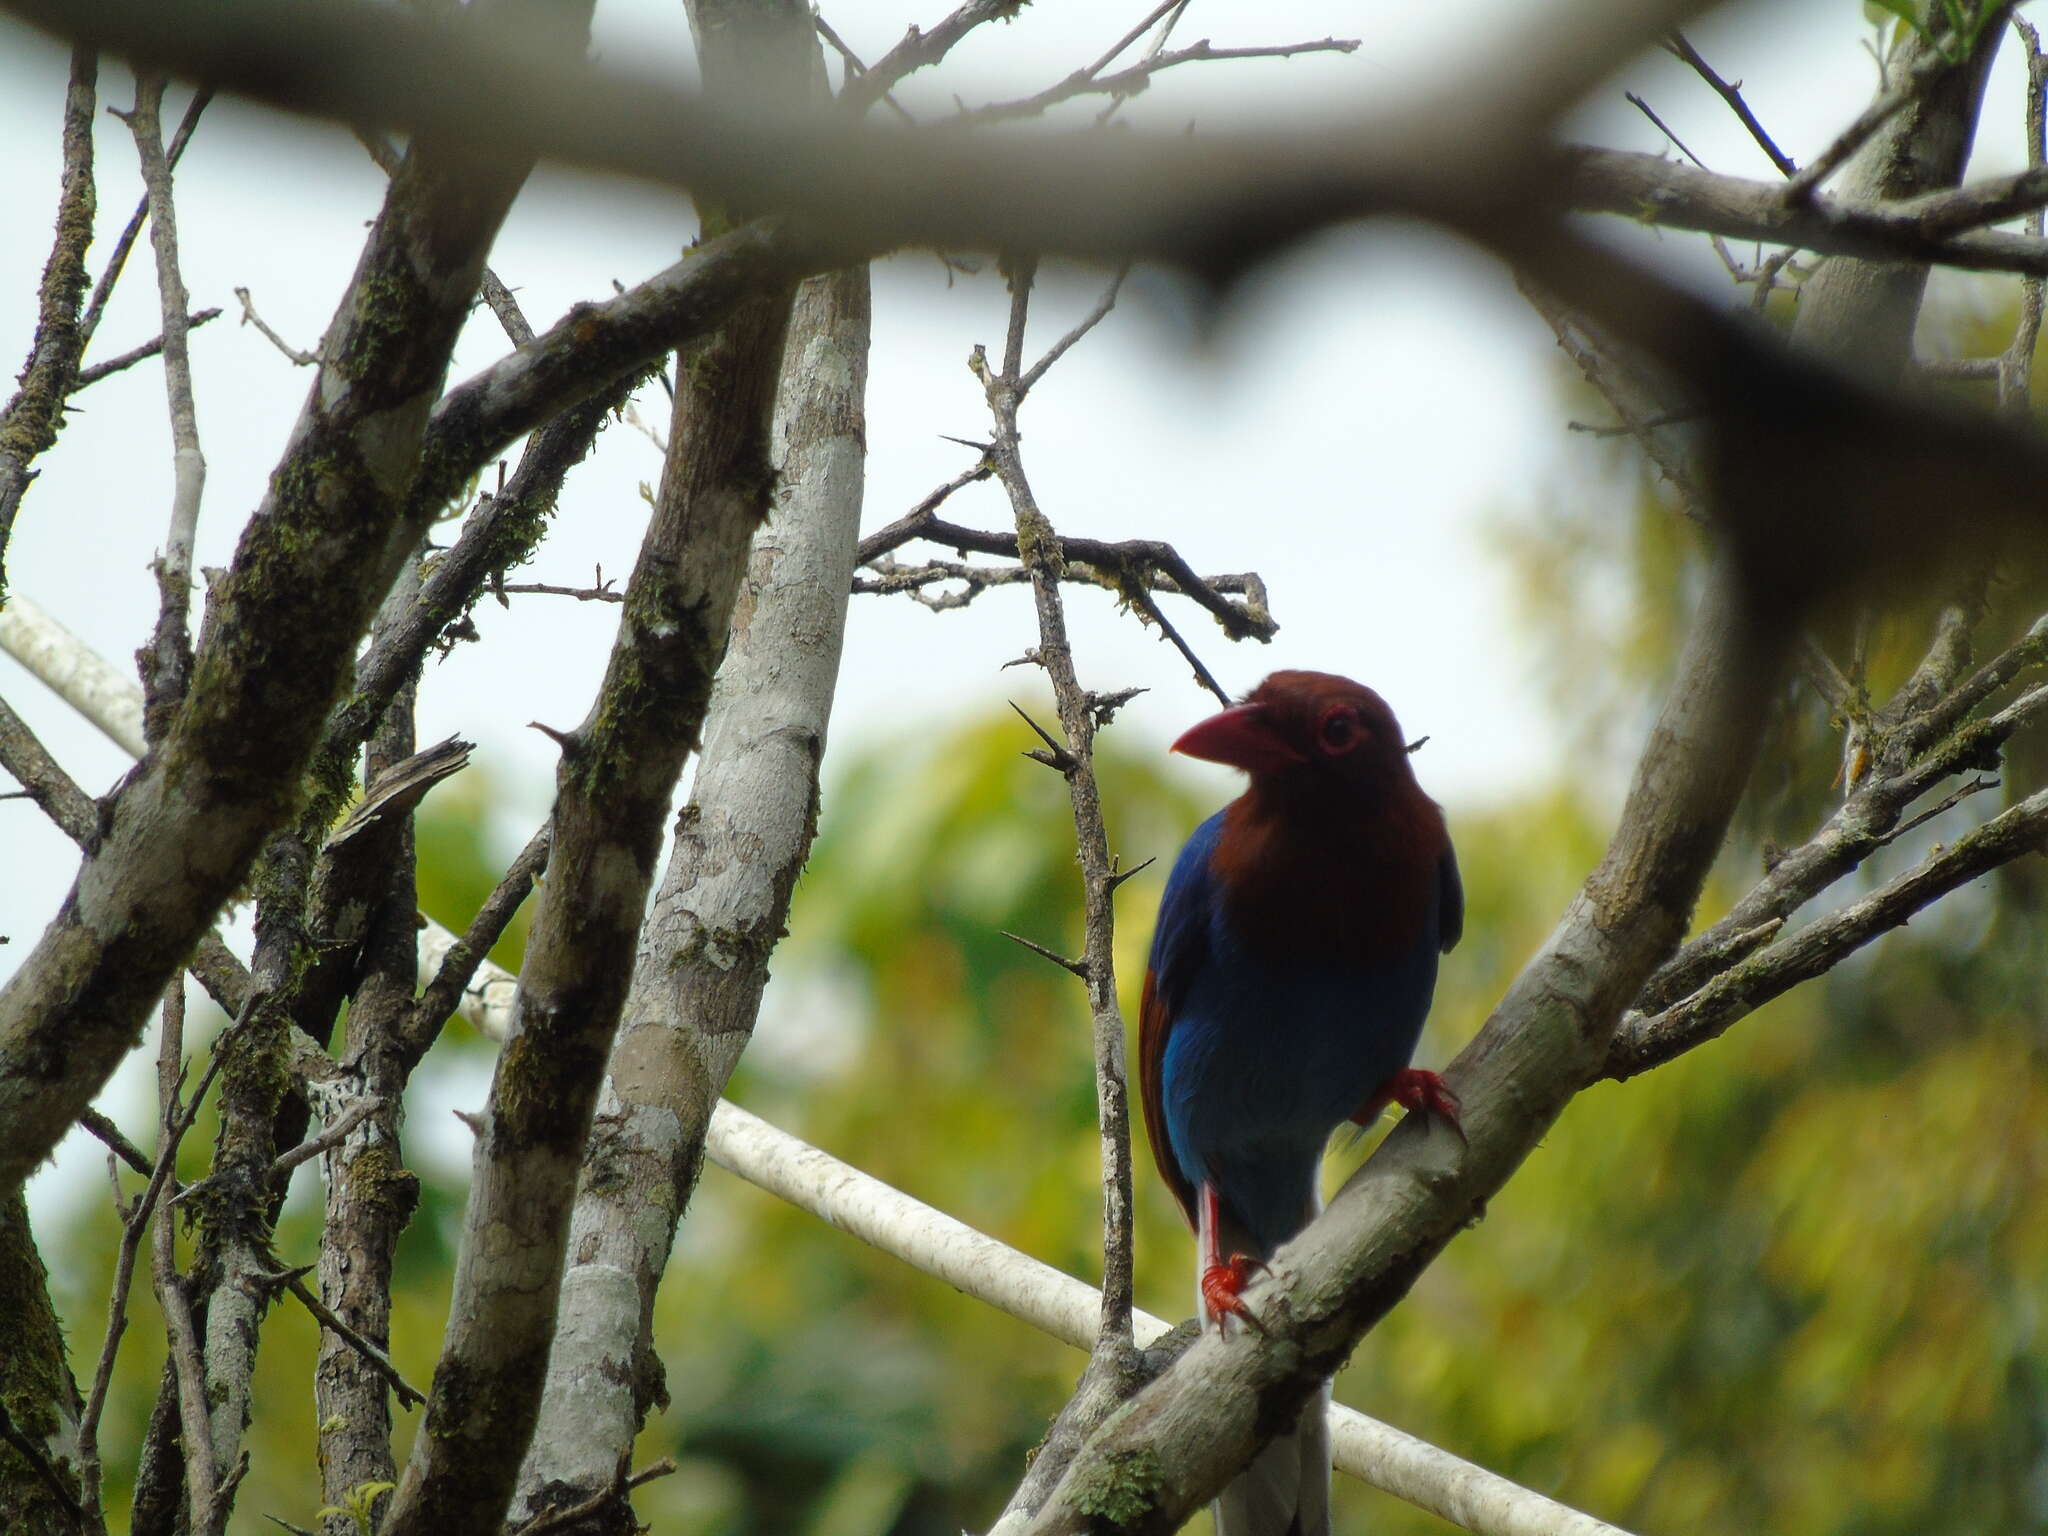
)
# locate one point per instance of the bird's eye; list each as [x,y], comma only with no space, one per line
[1339,731]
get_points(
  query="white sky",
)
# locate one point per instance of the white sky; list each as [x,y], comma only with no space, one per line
[1367,406]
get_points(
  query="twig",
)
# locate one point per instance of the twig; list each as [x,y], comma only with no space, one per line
[1039,551]
[459,964]
[1088,323]
[912,523]
[1947,802]
[1644,1042]
[604,593]
[853,62]
[1802,184]
[103,290]
[1140,599]
[30,1452]
[250,317]
[1128,558]
[407,1394]
[1663,127]
[169,661]
[202,1487]
[336,1132]
[920,50]
[1677,46]
[1128,82]
[109,1135]
[141,354]
[559,1519]
[1055,755]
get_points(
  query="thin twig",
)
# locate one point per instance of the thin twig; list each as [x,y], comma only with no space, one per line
[598,594]
[1663,127]
[922,49]
[1145,561]
[1128,82]
[1677,45]
[1093,318]
[569,1515]
[443,994]
[1038,549]
[1642,1043]
[103,290]
[333,1136]
[109,1135]
[141,354]
[32,1453]
[188,1366]
[1802,184]
[1142,601]
[299,358]
[853,63]
[1947,802]
[407,1394]
[169,660]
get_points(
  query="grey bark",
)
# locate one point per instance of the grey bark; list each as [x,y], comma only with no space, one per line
[703,956]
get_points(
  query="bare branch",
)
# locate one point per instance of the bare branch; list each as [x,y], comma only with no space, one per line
[378,1361]
[167,669]
[1645,1042]
[117,261]
[458,967]
[299,358]
[142,354]
[1129,82]
[1732,94]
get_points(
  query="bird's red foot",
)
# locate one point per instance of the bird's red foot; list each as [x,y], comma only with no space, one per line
[1424,1093]
[1223,1286]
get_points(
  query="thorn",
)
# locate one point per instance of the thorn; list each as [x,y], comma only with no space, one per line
[1055,755]
[1028,659]
[1418,744]
[1102,707]
[1118,876]
[968,442]
[1078,967]
[474,1122]
[566,740]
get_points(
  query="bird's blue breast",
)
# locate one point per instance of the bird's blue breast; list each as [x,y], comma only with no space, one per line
[1268,1054]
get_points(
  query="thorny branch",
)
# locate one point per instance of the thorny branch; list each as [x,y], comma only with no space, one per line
[1122,566]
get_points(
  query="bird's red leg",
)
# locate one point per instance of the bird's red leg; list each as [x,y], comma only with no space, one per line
[1417,1091]
[1223,1280]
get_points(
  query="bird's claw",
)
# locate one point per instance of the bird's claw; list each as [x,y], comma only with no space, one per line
[1223,1286]
[1425,1093]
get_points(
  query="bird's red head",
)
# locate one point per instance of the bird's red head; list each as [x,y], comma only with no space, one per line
[1306,728]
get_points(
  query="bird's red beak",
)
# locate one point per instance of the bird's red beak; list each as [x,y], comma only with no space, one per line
[1242,738]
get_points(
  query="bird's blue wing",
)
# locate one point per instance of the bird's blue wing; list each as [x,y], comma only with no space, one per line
[1180,944]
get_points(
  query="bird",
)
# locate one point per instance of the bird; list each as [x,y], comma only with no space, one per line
[1292,967]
